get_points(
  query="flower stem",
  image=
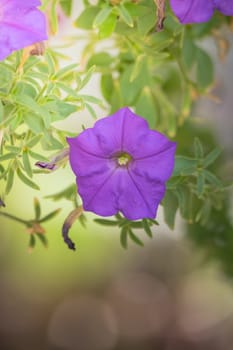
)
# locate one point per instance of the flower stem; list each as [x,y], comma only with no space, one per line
[12,217]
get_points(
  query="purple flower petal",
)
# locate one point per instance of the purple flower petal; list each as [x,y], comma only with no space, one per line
[191,11]
[21,24]
[224,6]
[106,184]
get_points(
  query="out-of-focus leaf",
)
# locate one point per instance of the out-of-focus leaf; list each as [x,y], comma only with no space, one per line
[102,16]
[212,156]
[86,19]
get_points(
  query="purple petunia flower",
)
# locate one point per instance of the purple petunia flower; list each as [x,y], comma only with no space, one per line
[122,165]
[190,11]
[21,24]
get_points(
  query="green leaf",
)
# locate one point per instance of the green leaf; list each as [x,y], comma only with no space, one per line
[108,26]
[147,228]
[37,208]
[86,19]
[170,207]
[8,156]
[43,239]
[32,242]
[64,71]
[134,238]
[34,122]
[198,148]
[146,22]
[189,51]
[183,164]
[140,61]
[1,111]
[124,237]
[10,180]
[33,141]
[31,105]
[50,215]
[150,113]
[102,16]
[38,156]
[107,86]
[125,15]
[100,60]
[200,183]
[26,163]
[212,156]
[26,180]
[211,178]
[205,69]
[66,5]
[105,222]
[131,90]
[53,16]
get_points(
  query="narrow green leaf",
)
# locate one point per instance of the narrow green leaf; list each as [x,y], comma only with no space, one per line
[64,71]
[10,180]
[43,239]
[135,238]
[124,237]
[50,215]
[101,16]
[140,61]
[200,183]
[27,181]
[108,26]
[32,242]
[105,222]
[91,99]
[33,141]
[125,15]
[100,60]
[53,16]
[38,156]
[87,77]
[147,228]
[170,207]
[8,156]
[37,208]
[198,148]
[212,156]
[26,163]
[1,111]
[211,178]
[86,19]
[205,69]
[183,164]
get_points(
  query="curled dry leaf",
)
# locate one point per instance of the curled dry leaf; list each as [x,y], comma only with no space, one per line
[160,14]
[71,218]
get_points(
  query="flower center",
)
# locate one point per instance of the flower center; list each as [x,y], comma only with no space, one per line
[123,159]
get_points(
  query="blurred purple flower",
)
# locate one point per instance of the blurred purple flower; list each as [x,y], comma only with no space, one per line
[190,11]
[122,165]
[21,24]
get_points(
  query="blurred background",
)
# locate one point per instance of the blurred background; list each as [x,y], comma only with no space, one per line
[167,295]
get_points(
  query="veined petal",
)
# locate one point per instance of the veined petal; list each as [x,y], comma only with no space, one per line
[84,163]
[224,6]
[157,167]
[139,196]
[97,192]
[119,190]
[191,11]
[105,138]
